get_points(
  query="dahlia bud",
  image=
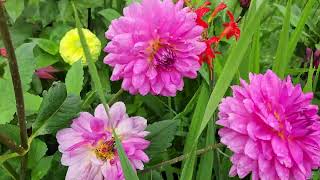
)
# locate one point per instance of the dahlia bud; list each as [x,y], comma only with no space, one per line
[308,53]
[316,58]
[245,3]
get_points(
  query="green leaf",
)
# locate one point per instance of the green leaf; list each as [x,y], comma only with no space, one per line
[37,150]
[45,60]
[207,159]
[297,32]
[14,8]
[254,58]
[32,103]
[42,168]
[109,14]
[11,131]
[308,86]
[281,62]
[125,164]
[47,45]
[26,65]
[154,175]
[56,110]
[74,79]
[194,129]
[161,135]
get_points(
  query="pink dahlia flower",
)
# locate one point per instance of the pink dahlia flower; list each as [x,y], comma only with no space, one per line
[88,147]
[154,46]
[272,129]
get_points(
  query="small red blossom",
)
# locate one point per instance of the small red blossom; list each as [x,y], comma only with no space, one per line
[201,11]
[209,53]
[3,52]
[219,8]
[231,28]
[46,73]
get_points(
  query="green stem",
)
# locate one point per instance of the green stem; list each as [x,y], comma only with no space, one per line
[4,139]
[92,67]
[182,157]
[115,97]
[24,164]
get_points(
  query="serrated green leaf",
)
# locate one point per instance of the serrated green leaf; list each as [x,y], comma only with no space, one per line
[56,110]
[74,78]
[14,8]
[42,168]
[37,150]
[47,45]
[161,135]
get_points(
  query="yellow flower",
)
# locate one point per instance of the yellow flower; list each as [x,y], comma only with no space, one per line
[71,50]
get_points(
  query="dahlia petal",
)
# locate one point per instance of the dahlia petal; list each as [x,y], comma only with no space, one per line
[144,89]
[283,172]
[279,146]
[137,81]
[140,66]
[109,171]
[96,125]
[297,154]
[251,149]
[244,166]
[100,113]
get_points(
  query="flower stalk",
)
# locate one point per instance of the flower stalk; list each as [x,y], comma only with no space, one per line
[182,157]
[16,81]
[4,139]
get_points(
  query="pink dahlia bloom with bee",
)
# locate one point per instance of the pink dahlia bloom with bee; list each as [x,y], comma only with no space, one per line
[154,46]
[88,147]
[272,128]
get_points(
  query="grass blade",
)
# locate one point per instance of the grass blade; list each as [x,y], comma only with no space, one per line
[206,162]
[195,125]
[281,62]
[297,32]
[308,86]
[254,58]
[125,164]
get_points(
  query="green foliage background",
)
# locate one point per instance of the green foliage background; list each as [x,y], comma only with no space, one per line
[274,35]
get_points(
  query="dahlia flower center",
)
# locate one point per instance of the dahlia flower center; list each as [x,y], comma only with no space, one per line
[165,57]
[106,150]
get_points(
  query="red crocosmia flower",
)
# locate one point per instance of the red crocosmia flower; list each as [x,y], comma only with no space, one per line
[3,52]
[201,11]
[209,53]
[231,28]
[219,8]
[46,73]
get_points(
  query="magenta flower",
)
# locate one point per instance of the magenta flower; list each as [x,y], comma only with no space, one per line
[46,72]
[154,46]
[88,147]
[272,129]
